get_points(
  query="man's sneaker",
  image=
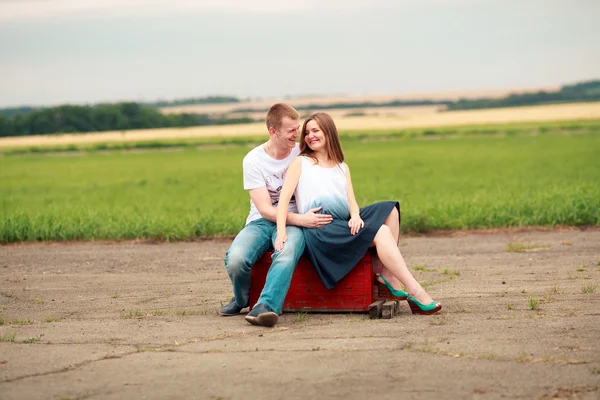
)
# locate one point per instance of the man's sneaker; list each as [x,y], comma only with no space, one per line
[262,315]
[231,309]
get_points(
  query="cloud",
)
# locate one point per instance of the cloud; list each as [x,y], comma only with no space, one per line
[26,9]
[33,9]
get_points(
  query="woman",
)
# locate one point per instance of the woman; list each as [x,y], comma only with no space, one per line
[320,178]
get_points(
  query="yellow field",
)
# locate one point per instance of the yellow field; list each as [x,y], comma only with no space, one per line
[419,118]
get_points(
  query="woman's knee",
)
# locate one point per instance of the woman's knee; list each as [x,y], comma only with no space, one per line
[393,214]
[383,232]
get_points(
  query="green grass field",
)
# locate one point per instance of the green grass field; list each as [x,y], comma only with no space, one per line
[466,182]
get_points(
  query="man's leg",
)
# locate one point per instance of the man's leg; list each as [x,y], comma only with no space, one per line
[278,279]
[247,247]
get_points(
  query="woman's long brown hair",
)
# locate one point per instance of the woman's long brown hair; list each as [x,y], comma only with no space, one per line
[334,148]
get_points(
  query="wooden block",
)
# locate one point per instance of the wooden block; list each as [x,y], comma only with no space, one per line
[375,309]
[388,309]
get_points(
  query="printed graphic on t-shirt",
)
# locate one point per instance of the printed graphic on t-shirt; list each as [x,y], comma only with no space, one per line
[274,186]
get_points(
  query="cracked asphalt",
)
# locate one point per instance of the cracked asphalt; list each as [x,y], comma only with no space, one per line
[131,320]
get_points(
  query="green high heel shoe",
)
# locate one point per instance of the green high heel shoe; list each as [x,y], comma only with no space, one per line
[419,308]
[394,294]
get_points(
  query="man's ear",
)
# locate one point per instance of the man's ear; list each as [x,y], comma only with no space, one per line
[272,131]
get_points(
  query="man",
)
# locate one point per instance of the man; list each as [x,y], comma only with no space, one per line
[264,171]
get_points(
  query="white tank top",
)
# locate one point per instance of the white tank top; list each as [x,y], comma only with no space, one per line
[323,187]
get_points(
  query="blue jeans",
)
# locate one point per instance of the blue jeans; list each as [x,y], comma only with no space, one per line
[251,244]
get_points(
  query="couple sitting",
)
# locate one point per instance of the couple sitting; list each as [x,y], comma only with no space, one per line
[306,205]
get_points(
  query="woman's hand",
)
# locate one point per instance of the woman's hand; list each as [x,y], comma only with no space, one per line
[279,241]
[355,224]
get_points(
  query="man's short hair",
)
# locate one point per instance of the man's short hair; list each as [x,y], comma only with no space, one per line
[277,112]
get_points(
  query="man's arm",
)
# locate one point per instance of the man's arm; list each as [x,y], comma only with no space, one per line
[261,199]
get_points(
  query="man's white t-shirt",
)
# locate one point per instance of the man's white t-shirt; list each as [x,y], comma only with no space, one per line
[262,170]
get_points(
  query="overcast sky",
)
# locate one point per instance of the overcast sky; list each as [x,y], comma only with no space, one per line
[88,51]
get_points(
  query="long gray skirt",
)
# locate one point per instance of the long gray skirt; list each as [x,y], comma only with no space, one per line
[333,251]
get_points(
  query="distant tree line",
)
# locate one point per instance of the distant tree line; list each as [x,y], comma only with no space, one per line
[102,117]
[9,112]
[585,91]
[196,100]
[316,107]
[125,116]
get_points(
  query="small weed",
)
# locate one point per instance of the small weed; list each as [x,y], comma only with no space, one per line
[436,281]
[353,318]
[596,370]
[316,348]
[588,288]
[448,272]
[187,313]
[20,322]
[147,348]
[502,294]
[522,357]
[8,337]
[407,346]
[581,269]
[52,320]
[510,306]
[566,243]
[80,397]
[38,300]
[1,321]
[33,340]
[515,247]
[132,314]
[533,303]
[461,310]
[148,300]
[523,291]
[301,317]
[115,296]
[438,322]
[158,313]
[550,293]
[424,269]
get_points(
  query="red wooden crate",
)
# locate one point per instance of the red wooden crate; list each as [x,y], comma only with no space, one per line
[353,293]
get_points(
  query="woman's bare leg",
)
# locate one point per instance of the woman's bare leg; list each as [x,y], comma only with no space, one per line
[392,222]
[390,256]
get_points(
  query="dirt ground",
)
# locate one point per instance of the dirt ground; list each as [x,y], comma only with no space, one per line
[127,320]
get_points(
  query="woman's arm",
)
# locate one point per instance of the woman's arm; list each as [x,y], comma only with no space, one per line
[292,177]
[355,222]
